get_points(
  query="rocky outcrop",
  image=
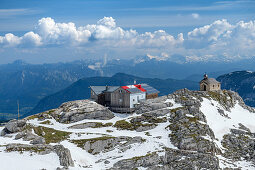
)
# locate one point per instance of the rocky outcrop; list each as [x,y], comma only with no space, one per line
[154,107]
[188,132]
[75,111]
[134,125]
[90,125]
[239,144]
[29,136]
[105,144]
[146,161]
[40,149]
[179,159]
[62,152]
[64,155]
[13,126]
[172,160]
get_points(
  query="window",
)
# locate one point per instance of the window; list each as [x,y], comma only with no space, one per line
[133,100]
[120,100]
[120,91]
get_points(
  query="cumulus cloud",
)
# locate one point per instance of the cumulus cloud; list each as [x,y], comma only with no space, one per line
[224,39]
[220,38]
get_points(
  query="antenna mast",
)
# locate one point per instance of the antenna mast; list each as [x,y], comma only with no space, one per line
[18,109]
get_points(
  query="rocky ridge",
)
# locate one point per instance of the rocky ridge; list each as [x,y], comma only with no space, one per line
[177,131]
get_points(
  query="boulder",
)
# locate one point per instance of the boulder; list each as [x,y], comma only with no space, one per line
[13,126]
[64,155]
[62,152]
[75,111]
[105,144]
[38,140]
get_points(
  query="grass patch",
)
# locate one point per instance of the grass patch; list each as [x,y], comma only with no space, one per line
[92,125]
[25,149]
[147,134]
[175,109]
[183,98]
[99,125]
[46,122]
[32,117]
[81,142]
[50,135]
[124,125]
[136,158]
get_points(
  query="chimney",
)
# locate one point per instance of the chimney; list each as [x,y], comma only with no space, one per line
[134,81]
[106,88]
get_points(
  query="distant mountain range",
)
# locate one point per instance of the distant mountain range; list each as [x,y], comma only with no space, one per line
[242,82]
[80,89]
[29,83]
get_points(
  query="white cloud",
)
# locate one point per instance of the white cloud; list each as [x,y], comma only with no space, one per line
[195,15]
[219,40]
[10,40]
[32,39]
[163,56]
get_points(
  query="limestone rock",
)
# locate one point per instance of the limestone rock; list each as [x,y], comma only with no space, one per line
[38,140]
[62,152]
[64,155]
[75,111]
[154,105]
[13,126]
[105,144]
[40,149]
[179,159]
[146,161]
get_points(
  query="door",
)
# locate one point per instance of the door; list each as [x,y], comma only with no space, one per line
[204,87]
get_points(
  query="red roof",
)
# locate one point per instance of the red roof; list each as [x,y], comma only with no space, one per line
[125,87]
[140,87]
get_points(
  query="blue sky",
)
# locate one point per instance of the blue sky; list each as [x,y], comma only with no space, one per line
[19,17]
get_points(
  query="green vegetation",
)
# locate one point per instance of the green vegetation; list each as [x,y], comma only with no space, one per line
[109,131]
[43,115]
[81,142]
[147,134]
[136,158]
[93,125]
[32,117]
[183,98]
[155,119]
[192,119]
[99,124]
[124,125]
[222,99]
[23,149]
[50,135]
[46,122]
[175,109]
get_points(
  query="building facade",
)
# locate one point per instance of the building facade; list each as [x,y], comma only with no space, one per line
[209,84]
[122,98]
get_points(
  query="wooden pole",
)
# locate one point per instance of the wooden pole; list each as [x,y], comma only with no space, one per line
[18,109]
